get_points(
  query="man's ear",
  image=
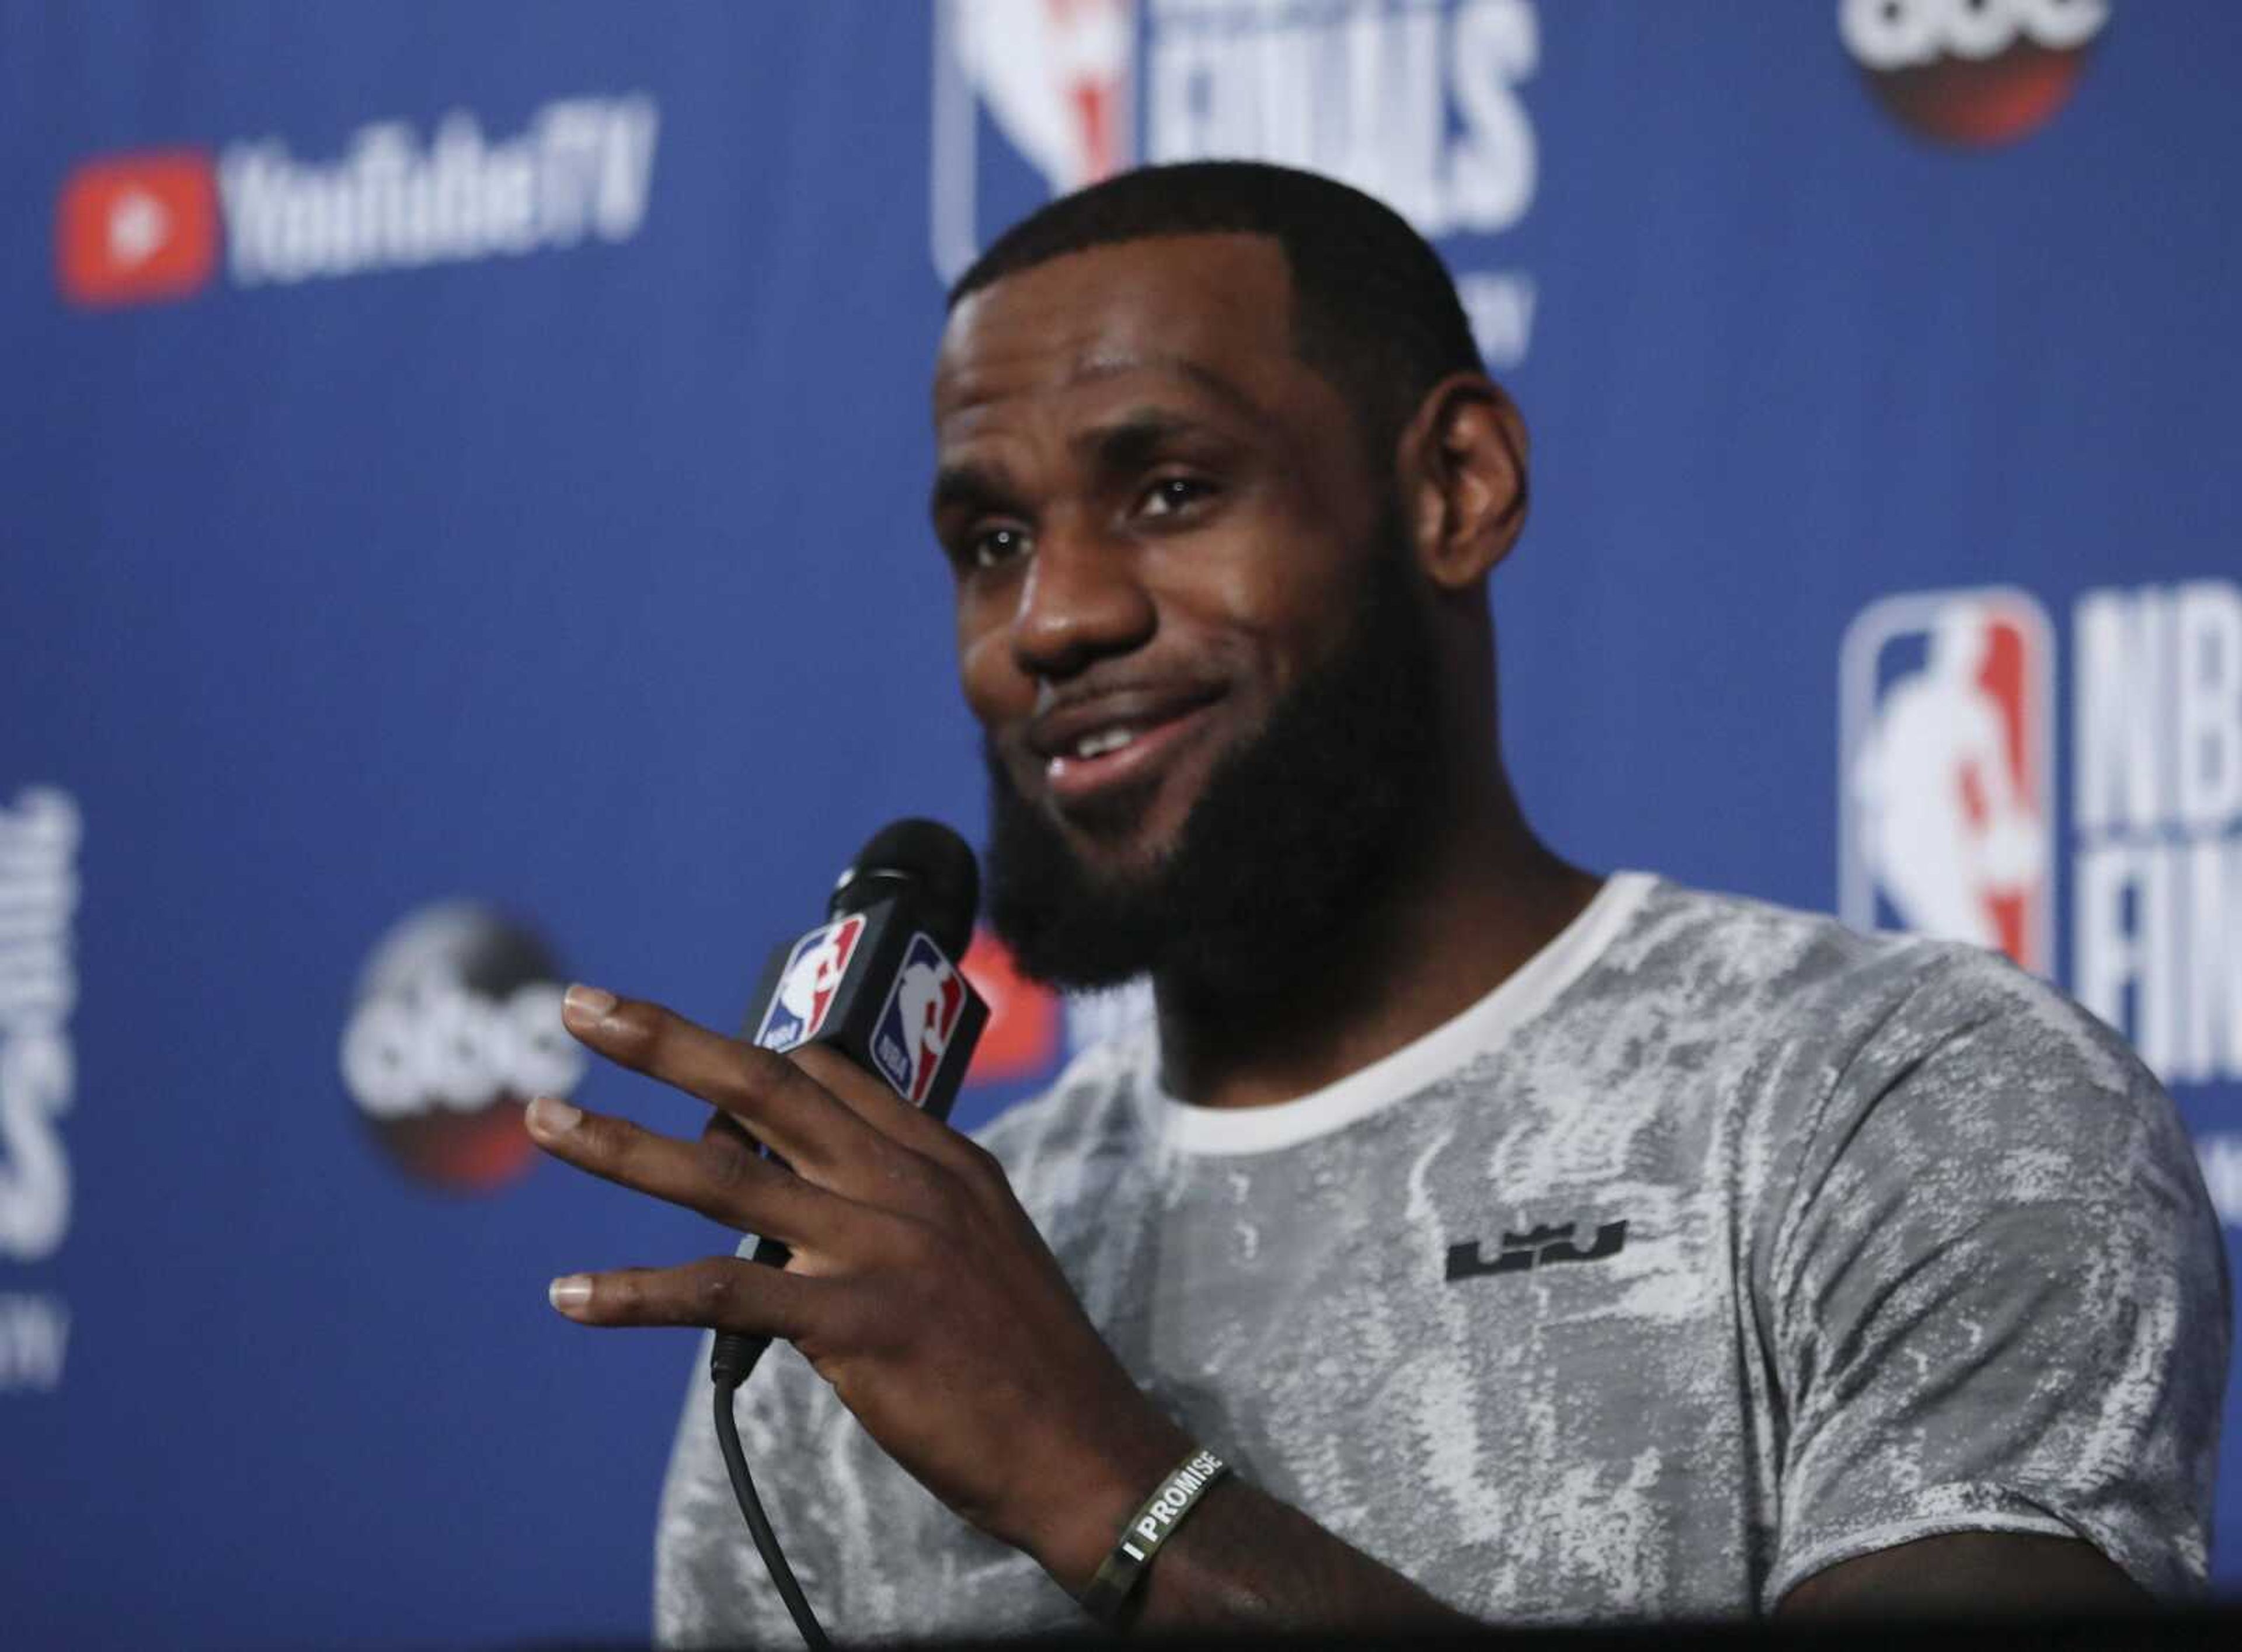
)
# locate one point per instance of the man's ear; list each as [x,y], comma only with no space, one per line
[1463,464]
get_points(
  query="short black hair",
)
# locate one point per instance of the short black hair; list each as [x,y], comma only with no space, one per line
[1375,311]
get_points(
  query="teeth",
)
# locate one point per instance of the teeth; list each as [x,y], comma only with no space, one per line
[1105,740]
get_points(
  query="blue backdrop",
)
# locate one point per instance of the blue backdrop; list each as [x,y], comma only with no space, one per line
[463,530]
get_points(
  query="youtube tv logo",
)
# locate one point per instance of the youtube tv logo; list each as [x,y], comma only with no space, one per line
[137,228]
[140,226]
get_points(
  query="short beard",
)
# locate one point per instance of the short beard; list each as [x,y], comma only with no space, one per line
[1299,831]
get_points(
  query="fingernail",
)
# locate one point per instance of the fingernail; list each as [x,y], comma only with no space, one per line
[586,1005]
[549,1115]
[569,1290]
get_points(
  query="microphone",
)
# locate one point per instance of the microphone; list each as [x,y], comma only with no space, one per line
[879,981]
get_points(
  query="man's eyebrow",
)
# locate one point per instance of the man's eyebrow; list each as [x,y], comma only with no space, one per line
[1134,440]
[969,483]
[1125,444]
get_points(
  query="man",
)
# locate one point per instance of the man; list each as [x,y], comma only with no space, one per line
[1534,1245]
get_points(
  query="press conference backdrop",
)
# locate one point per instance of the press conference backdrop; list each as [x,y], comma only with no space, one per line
[463,531]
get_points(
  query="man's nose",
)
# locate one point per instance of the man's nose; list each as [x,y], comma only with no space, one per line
[1083,601]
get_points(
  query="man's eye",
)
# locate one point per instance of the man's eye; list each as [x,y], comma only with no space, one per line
[995,547]
[1173,493]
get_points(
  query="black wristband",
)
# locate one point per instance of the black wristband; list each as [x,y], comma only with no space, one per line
[1147,1529]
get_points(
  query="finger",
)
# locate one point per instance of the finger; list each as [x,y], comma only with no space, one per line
[874,1100]
[722,1130]
[782,1105]
[932,1166]
[722,1292]
[721,1179]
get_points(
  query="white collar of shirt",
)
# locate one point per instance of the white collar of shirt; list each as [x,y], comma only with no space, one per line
[1522,995]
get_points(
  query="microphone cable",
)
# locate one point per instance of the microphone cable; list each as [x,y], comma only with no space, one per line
[729,1362]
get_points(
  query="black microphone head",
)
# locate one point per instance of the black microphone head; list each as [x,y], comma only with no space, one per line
[929,863]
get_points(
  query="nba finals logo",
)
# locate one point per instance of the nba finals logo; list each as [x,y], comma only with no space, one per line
[1947,822]
[1946,807]
[1056,77]
[814,972]
[1419,102]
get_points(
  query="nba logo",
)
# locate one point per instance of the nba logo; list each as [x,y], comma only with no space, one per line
[814,972]
[918,1020]
[1946,821]
[1056,79]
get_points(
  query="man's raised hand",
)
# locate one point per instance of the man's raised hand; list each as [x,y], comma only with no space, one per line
[918,1287]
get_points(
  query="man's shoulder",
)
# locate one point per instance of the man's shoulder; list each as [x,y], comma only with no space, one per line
[1810,977]
[1808,1012]
[1937,1042]
[1717,943]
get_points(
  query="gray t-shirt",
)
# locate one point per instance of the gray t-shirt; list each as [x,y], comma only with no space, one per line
[1717,1244]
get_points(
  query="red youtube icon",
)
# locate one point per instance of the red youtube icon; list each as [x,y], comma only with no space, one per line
[131,229]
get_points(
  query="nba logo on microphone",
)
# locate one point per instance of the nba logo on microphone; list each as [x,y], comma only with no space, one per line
[918,1020]
[814,972]
[1945,806]
[1054,81]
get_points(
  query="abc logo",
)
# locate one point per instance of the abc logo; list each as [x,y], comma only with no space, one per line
[457,1023]
[1973,72]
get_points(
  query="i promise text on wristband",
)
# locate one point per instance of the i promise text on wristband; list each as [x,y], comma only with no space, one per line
[1147,1529]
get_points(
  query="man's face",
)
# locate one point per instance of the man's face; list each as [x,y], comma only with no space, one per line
[1151,504]
[1185,620]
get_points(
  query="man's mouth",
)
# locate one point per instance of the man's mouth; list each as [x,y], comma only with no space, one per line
[1098,746]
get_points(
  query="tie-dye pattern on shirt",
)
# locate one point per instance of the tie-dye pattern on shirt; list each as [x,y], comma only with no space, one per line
[1726,1245]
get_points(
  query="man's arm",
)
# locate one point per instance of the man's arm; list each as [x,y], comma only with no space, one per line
[1970,1574]
[1995,1308]
[1242,1562]
[1246,1562]
[922,1293]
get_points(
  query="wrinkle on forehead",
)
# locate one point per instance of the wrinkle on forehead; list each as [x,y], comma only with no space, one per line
[1190,305]
[1114,365]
